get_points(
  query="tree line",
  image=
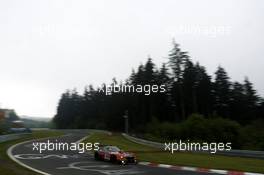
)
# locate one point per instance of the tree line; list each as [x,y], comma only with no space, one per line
[189,89]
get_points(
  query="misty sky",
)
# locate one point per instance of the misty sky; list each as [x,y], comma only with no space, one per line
[47,47]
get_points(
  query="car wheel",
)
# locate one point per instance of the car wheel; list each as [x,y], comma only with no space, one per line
[113,158]
[96,156]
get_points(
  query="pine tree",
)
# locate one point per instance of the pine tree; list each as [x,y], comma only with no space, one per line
[250,93]
[203,91]
[149,75]
[237,102]
[139,77]
[251,101]
[189,87]
[176,63]
[162,100]
[221,92]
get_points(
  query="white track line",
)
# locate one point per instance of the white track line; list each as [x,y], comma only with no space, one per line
[82,139]
[10,155]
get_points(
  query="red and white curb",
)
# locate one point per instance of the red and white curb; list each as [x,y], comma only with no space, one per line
[194,169]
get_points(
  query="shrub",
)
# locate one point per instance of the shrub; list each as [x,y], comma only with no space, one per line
[3,127]
[252,136]
[196,128]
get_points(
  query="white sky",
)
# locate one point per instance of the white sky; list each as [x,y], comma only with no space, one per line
[49,46]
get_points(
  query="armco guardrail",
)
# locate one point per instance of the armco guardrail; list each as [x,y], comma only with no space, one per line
[83,130]
[8,137]
[98,130]
[40,129]
[243,153]
[144,142]
[237,153]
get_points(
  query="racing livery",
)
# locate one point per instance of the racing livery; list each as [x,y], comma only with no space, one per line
[114,154]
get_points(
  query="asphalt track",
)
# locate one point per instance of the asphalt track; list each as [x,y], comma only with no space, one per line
[74,163]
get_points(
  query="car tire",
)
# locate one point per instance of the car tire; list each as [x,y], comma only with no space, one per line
[113,158]
[96,156]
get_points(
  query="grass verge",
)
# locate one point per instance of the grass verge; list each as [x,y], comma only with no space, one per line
[9,167]
[146,153]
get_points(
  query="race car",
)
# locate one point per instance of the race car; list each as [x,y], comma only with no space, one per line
[115,155]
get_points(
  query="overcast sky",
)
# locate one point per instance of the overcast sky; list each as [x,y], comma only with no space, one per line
[49,46]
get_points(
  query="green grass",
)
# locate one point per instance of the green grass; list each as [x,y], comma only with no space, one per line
[9,167]
[145,153]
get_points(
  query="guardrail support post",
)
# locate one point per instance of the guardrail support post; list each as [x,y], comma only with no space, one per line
[126,121]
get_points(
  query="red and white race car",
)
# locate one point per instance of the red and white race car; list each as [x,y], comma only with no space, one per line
[114,154]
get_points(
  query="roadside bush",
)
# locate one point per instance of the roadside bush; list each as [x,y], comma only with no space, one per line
[224,130]
[252,136]
[3,127]
[160,131]
[169,131]
[196,128]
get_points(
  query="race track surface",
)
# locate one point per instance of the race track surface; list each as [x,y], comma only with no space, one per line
[74,163]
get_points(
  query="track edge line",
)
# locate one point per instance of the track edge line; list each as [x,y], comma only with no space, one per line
[10,155]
